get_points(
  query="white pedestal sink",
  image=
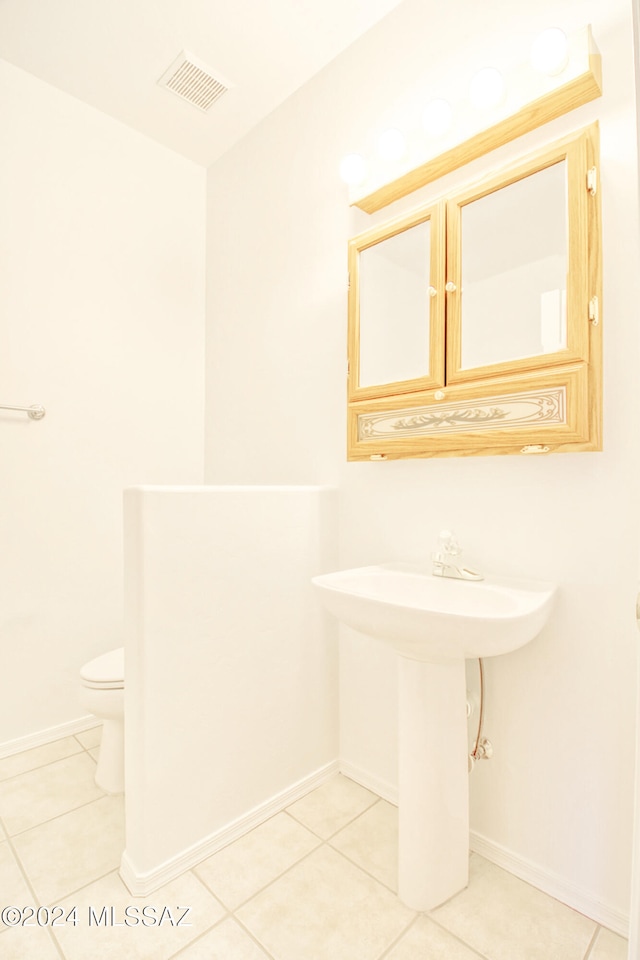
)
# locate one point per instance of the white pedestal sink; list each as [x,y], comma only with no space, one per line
[434,623]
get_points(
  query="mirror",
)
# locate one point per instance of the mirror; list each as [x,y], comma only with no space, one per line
[514,270]
[394,307]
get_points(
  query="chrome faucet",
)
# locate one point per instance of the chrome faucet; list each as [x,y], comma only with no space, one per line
[445,562]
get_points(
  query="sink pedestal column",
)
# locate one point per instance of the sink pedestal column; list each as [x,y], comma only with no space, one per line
[433,782]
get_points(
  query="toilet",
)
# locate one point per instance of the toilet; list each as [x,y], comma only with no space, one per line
[102,693]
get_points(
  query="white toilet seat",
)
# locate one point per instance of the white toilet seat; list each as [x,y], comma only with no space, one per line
[105,672]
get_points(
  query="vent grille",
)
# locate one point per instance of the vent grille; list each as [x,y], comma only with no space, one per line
[191,80]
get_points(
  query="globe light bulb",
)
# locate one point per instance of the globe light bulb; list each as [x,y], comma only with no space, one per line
[487,88]
[391,144]
[353,169]
[550,52]
[437,117]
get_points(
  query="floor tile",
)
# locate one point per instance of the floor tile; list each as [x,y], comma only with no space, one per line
[246,866]
[47,792]
[426,941]
[371,841]
[332,806]
[325,908]
[134,940]
[227,941]
[95,753]
[13,888]
[28,943]
[504,918]
[38,756]
[66,853]
[609,946]
[90,738]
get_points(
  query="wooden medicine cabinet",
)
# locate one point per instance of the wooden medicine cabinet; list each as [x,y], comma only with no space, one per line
[474,321]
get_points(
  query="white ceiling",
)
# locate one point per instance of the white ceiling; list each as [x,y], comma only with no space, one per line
[111,55]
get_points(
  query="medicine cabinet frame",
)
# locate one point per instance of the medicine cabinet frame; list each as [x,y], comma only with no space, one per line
[534,404]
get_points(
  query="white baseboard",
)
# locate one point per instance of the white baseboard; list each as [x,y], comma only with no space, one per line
[388,791]
[550,883]
[142,884]
[539,877]
[41,737]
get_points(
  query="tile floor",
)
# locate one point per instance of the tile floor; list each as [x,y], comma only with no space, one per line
[315,882]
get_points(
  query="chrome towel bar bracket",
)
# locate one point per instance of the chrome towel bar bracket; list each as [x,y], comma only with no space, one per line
[35,412]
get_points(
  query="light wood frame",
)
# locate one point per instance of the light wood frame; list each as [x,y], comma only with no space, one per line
[573,152]
[434,376]
[577,371]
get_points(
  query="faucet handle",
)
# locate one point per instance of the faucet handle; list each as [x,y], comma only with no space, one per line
[448,547]
[448,544]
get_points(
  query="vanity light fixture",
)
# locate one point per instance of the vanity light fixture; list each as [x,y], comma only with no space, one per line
[353,169]
[487,88]
[392,144]
[550,52]
[437,117]
[571,76]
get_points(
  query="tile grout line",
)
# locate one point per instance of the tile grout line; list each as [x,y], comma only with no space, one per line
[340,829]
[266,886]
[58,816]
[88,750]
[41,766]
[31,889]
[387,950]
[267,953]
[182,950]
[72,893]
[369,874]
[441,926]
[321,843]
[326,842]
[228,915]
[592,943]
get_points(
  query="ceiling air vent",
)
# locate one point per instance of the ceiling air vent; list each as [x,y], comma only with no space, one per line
[191,80]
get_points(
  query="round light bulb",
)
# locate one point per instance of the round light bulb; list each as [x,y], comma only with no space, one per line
[391,145]
[487,88]
[353,169]
[437,117]
[550,52]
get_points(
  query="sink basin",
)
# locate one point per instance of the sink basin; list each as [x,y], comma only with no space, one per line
[436,618]
[434,623]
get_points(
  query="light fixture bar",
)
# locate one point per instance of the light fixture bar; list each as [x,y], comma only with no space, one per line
[583,84]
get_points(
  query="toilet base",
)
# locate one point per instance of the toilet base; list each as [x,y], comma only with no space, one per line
[110,772]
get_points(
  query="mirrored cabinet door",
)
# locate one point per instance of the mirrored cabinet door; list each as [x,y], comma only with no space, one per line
[396,306]
[475,324]
[518,299]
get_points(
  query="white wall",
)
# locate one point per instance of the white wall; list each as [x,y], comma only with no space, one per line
[102,238]
[231,694]
[560,713]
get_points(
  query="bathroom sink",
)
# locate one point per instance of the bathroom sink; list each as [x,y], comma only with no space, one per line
[425,617]
[434,623]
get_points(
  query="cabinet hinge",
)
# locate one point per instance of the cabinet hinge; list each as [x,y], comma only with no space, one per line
[592,181]
[594,311]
